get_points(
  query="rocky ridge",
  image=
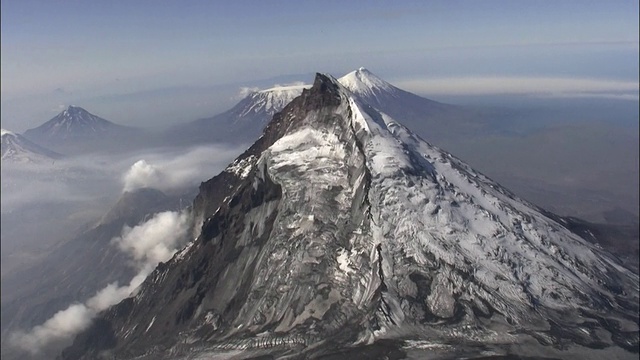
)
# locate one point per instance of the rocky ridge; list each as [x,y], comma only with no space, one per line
[340,227]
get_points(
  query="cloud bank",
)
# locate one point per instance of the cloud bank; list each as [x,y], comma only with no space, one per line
[542,86]
[149,243]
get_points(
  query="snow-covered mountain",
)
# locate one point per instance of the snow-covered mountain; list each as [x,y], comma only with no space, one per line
[73,122]
[434,121]
[76,131]
[242,123]
[340,230]
[16,148]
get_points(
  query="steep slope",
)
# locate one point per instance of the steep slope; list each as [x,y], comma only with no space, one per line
[340,227]
[242,123]
[16,148]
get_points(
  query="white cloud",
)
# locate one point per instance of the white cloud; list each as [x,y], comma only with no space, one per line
[245,91]
[543,86]
[141,174]
[291,84]
[72,320]
[148,243]
[173,171]
[155,240]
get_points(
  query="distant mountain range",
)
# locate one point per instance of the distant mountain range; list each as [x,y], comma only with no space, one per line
[16,148]
[77,131]
[433,120]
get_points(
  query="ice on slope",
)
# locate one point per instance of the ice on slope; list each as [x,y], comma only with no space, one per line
[425,201]
[375,231]
[431,211]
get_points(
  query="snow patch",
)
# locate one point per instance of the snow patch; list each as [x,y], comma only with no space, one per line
[242,167]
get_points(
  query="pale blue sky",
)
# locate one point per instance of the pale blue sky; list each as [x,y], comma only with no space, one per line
[98,48]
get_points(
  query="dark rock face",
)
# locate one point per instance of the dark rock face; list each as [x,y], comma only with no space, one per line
[338,229]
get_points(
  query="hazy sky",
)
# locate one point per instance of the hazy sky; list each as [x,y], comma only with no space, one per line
[91,49]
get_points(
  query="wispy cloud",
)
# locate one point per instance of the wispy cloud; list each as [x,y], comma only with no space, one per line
[539,86]
[147,244]
[245,91]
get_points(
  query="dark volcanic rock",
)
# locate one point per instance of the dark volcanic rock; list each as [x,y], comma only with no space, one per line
[339,233]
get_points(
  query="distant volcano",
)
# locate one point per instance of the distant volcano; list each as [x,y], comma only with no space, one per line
[16,148]
[75,131]
[242,123]
[74,122]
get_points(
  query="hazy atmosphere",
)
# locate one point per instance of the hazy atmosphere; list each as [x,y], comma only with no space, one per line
[121,121]
[156,62]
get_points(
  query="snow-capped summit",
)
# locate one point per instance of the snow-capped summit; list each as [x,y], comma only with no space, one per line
[7,132]
[73,122]
[270,101]
[242,123]
[364,83]
[16,148]
[340,227]
[76,131]
[435,121]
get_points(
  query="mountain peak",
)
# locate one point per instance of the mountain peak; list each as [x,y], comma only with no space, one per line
[363,82]
[74,110]
[339,226]
[16,148]
[72,122]
[265,103]
[325,84]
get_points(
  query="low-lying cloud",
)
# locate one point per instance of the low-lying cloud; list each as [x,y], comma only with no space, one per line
[542,86]
[174,171]
[148,243]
